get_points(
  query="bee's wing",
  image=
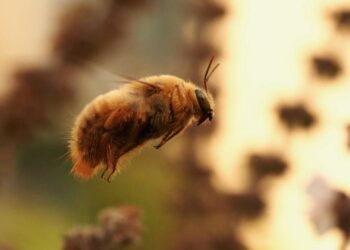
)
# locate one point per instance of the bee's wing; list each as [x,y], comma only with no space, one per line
[152,86]
[118,78]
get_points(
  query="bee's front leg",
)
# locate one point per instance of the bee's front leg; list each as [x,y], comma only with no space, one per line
[169,136]
[164,140]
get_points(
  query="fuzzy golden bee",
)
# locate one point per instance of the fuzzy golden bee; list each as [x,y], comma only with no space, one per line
[122,120]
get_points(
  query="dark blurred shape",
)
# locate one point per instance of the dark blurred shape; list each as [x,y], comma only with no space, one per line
[52,83]
[129,3]
[119,227]
[296,116]
[209,10]
[341,18]
[247,205]
[203,51]
[87,30]
[35,93]
[201,200]
[212,237]
[327,67]
[266,165]
[342,211]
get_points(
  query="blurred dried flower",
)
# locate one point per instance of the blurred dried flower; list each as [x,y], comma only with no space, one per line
[87,238]
[296,116]
[122,224]
[342,19]
[342,211]
[247,205]
[53,83]
[209,10]
[119,227]
[36,91]
[202,200]
[209,237]
[129,3]
[202,51]
[327,67]
[266,165]
[86,30]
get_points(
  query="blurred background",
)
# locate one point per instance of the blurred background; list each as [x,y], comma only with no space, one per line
[271,172]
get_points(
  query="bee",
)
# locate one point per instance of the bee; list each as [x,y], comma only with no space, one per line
[122,120]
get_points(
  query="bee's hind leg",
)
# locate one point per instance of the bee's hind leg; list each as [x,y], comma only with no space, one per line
[116,158]
[114,168]
[110,162]
[104,172]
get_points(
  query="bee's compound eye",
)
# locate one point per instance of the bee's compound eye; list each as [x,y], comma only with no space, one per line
[203,101]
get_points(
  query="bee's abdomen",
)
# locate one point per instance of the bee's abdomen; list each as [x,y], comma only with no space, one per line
[87,137]
[89,141]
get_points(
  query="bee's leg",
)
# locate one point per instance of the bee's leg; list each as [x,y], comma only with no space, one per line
[114,168]
[116,158]
[168,137]
[104,172]
[164,139]
[110,161]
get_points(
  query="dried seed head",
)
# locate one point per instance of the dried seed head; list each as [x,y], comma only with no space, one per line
[119,227]
[247,205]
[342,211]
[88,238]
[342,19]
[327,67]
[296,116]
[266,165]
[36,91]
[209,10]
[122,224]
[85,31]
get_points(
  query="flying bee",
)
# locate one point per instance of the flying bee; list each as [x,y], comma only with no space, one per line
[122,120]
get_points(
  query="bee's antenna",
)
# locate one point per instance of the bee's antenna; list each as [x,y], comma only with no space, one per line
[207,75]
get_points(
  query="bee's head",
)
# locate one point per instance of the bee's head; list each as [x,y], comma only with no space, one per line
[205,103]
[205,108]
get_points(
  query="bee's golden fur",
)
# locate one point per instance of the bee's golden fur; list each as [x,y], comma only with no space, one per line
[120,121]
